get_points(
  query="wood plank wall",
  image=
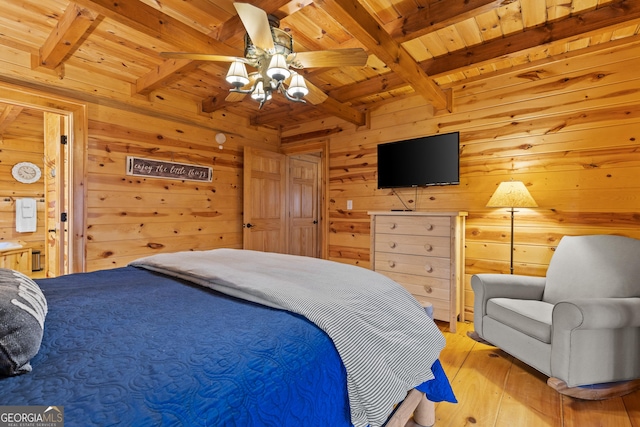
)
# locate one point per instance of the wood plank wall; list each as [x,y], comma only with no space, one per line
[570,130]
[22,141]
[131,217]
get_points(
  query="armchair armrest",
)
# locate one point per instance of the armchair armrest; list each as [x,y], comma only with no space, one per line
[597,313]
[595,340]
[487,286]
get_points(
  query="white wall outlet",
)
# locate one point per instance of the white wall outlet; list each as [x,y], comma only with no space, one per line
[349,205]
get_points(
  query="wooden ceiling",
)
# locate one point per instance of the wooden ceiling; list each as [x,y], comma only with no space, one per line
[107,50]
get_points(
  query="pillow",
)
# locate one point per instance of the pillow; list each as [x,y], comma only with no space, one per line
[22,312]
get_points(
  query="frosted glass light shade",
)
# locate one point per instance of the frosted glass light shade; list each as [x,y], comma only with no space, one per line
[278,69]
[297,87]
[511,194]
[237,74]
[259,94]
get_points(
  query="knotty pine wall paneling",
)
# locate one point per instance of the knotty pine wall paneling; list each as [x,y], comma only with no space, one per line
[569,129]
[131,217]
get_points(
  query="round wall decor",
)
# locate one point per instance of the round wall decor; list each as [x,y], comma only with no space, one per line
[26,172]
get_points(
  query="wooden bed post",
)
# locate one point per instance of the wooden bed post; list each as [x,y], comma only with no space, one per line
[425,413]
[415,404]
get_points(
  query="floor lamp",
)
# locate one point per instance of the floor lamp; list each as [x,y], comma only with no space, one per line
[511,194]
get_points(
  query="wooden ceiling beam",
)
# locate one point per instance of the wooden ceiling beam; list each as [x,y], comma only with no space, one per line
[64,38]
[618,12]
[8,116]
[169,70]
[156,24]
[212,103]
[346,112]
[439,14]
[365,28]
[329,107]
[273,116]
[368,87]
[318,134]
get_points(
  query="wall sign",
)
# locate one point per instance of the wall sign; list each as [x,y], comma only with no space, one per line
[170,170]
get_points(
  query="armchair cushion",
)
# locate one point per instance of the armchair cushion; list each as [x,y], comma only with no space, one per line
[530,317]
[598,266]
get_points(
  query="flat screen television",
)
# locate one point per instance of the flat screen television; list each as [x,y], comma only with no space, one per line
[418,162]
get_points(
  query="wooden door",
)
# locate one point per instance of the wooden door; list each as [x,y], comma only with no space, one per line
[264,194]
[303,205]
[55,179]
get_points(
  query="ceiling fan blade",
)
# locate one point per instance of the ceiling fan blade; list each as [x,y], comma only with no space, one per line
[238,96]
[256,23]
[202,57]
[235,97]
[330,58]
[315,95]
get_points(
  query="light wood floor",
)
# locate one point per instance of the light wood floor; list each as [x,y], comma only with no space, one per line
[495,390]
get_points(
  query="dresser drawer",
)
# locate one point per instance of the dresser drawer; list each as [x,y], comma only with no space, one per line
[429,287]
[413,264]
[430,226]
[441,310]
[435,246]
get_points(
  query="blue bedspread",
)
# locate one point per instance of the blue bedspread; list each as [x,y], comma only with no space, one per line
[132,347]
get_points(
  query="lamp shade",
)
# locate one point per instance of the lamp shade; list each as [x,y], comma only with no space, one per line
[237,74]
[511,194]
[278,68]
[297,86]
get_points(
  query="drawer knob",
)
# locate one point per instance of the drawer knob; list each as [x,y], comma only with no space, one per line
[392,264]
[429,227]
[428,289]
[392,245]
[392,226]
[428,268]
[428,247]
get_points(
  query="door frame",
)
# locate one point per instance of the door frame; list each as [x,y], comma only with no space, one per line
[315,159]
[320,146]
[77,114]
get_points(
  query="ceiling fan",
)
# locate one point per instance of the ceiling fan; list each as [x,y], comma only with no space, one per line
[269,50]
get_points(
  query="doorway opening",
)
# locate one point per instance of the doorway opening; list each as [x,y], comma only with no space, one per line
[64,124]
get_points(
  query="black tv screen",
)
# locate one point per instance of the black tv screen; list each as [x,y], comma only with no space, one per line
[429,160]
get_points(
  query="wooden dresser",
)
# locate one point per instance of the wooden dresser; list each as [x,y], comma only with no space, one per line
[424,252]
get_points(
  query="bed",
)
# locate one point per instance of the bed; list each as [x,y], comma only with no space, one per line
[229,338]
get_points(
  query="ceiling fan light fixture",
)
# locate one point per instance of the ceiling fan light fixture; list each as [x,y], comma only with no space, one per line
[237,74]
[278,68]
[259,94]
[297,88]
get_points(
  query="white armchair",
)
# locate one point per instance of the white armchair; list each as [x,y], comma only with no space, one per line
[579,325]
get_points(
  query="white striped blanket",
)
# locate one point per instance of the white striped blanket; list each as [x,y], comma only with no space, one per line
[386,341]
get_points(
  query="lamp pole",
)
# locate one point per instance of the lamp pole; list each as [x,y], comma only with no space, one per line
[511,252]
